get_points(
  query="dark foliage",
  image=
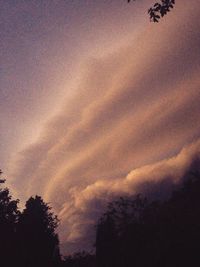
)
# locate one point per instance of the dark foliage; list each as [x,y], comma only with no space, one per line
[9,216]
[38,240]
[134,232]
[27,239]
[159,9]
[80,259]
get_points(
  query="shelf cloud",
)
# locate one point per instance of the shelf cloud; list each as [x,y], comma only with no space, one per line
[133,122]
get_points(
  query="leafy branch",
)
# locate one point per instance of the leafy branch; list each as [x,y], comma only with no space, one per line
[159,9]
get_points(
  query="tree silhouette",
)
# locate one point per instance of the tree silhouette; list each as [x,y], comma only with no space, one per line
[36,229]
[9,215]
[80,259]
[134,232]
[115,232]
[159,9]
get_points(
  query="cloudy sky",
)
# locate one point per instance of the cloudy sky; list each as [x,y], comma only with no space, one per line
[96,102]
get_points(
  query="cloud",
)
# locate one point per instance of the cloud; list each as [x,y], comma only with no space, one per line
[132,110]
[155,181]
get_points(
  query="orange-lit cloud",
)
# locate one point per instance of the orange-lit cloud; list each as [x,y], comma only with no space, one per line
[155,181]
[132,110]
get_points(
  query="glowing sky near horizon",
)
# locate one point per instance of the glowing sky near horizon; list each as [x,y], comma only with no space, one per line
[94,100]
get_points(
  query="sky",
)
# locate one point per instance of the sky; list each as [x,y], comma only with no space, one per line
[96,102]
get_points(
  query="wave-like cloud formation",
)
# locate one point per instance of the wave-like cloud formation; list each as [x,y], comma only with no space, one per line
[136,107]
[154,181]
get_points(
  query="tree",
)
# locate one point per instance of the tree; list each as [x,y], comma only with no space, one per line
[80,259]
[153,234]
[119,233]
[39,243]
[159,9]
[9,215]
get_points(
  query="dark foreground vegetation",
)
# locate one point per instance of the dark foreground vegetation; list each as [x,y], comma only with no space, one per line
[132,232]
[159,9]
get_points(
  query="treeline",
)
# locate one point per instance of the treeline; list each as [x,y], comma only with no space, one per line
[135,232]
[27,238]
[132,232]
